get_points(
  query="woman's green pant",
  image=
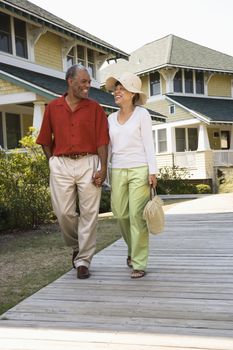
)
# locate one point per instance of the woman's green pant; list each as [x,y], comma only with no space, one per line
[130,193]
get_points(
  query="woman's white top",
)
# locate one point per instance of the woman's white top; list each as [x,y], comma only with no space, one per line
[131,143]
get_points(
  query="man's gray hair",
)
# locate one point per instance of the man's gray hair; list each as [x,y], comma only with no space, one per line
[73,70]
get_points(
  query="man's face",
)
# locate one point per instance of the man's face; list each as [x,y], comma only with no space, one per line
[80,84]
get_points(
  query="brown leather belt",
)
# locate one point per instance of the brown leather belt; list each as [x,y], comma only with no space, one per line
[76,155]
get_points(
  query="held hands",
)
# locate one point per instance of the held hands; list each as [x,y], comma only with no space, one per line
[99,177]
[152,180]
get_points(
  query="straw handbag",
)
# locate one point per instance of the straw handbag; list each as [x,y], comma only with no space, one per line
[153,213]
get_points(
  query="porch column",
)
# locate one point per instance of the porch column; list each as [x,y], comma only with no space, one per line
[39,107]
[203,139]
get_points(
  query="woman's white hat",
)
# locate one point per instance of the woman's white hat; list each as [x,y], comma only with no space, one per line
[130,82]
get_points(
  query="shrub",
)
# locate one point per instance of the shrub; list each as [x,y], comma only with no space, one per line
[203,188]
[105,202]
[173,180]
[24,186]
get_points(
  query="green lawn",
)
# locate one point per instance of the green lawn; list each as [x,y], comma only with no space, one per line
[32,259]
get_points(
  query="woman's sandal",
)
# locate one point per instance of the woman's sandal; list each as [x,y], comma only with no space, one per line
[137,274]
[129,262]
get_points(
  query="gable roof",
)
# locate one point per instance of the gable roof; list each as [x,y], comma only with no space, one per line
[211,110]
[51,87]
[171,51]
[38,15]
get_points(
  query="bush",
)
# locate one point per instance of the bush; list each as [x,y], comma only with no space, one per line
[105,202]
[173,180]
[203,188]
[24,185]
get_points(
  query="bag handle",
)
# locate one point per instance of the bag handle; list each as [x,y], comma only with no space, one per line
[153,192]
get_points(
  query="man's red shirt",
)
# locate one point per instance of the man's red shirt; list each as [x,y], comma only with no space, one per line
[67,132]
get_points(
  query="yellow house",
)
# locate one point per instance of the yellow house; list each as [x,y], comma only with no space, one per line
[36,48]
[192,86]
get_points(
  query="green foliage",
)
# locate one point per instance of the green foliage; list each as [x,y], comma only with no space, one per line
[173,180]
[24,186]
[105,202]
[203,188]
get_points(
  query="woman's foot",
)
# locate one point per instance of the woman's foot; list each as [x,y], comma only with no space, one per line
[129,262]
[137,274]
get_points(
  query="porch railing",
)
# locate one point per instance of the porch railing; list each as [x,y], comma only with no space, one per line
[185,159]
[223,157]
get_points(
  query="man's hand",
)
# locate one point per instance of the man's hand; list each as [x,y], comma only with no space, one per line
[99,177]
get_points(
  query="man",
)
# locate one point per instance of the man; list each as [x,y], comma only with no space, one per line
[74,137]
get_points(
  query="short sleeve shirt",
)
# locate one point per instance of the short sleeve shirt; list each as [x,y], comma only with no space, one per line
[70,132]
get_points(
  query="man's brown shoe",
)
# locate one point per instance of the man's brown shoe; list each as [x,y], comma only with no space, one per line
[75,253]
[83,272]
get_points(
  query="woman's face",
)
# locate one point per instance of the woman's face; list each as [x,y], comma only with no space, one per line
[122,96]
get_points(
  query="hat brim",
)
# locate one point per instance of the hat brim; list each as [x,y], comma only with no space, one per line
[110,86]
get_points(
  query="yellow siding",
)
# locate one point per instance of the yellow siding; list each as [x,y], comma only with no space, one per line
[214,141]
[9,88]
[27,122]
[162,106]
[48,51]
[145,85]
[220,85]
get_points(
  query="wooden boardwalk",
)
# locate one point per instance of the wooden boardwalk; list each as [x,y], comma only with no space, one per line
[184,302]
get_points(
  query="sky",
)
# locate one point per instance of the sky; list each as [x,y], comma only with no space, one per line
[130,24]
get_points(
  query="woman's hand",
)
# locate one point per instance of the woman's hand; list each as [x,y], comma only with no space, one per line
[152,180]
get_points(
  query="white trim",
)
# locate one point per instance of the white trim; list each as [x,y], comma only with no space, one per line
[17,98]
[177,123]
[152,69]
[25,64]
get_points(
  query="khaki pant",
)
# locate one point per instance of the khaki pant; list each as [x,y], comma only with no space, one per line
[130,193]
[71,180]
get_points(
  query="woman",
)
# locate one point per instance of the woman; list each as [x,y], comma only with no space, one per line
[133,165]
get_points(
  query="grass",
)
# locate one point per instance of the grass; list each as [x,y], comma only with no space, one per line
[32,259]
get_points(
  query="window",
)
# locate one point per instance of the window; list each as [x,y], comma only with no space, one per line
[18,34]
[70,58]
[188,76]
[154,84]
[13,131]
[20,38]
[199,82]
[180,140]
[162,140]
[172,109]
[5,33]
[192,139]
[186,139]
[225,139]
[81,55]
[178,86]
[189,81]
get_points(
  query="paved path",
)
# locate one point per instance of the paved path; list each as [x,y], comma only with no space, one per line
[185,301]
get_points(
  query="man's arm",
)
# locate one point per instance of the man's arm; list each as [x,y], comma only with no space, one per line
[47,151]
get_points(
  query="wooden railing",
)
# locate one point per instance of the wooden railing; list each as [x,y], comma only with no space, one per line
[223,157]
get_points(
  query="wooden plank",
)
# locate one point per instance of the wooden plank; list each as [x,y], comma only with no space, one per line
[184,302]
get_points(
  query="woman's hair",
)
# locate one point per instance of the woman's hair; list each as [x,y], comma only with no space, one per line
[135,97]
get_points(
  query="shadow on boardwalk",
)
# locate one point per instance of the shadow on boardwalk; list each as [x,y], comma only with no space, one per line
[184,302]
